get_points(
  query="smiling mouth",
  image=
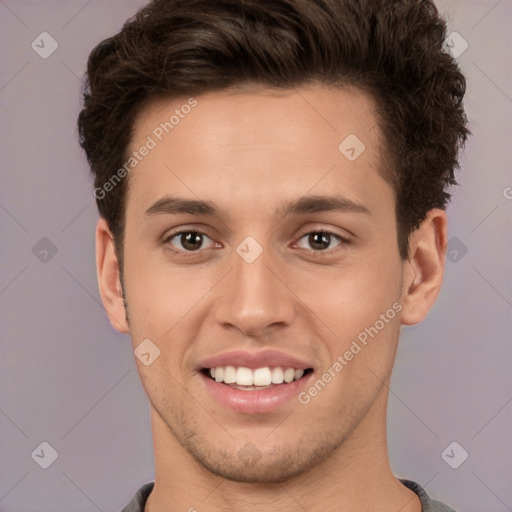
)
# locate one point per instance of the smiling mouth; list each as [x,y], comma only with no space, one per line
[247,379]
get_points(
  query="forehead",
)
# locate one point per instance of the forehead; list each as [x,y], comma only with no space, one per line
[255,141]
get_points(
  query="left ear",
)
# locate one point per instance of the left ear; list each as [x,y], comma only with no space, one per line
[424,270]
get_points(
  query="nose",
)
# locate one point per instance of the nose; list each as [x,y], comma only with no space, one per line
[254,298]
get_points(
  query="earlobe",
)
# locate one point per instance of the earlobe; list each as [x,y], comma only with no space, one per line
[109,281]
[424,270]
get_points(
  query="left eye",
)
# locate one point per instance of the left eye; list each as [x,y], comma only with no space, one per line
[320,240]
[189,240]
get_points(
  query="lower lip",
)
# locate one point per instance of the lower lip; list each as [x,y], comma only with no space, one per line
[255,401]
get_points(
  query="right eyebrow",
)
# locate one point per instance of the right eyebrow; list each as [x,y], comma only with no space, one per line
[174,205]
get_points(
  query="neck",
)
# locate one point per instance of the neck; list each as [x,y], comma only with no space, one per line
[357,476]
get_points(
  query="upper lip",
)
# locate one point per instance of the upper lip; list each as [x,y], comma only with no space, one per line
[254,360]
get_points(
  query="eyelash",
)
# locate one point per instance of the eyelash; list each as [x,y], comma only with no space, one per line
[185,254]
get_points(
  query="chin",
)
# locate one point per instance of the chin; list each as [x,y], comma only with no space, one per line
[251,466]
[264,474]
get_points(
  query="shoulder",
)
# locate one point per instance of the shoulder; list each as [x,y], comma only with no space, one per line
[427,503]
[139,500]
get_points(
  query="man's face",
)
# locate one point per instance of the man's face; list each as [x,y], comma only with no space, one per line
[323,277]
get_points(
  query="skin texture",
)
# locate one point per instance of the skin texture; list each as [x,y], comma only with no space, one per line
[249,152]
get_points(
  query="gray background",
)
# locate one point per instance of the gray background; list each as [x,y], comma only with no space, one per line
[69,379]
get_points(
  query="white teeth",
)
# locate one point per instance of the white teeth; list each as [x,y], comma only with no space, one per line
[244,376]
[277,375]
[259,377]
[262,377]
[219,374]
[297,375]
[229,374]
[289,373]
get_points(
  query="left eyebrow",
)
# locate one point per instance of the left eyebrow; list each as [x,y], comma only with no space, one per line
[308,204]
[316,204]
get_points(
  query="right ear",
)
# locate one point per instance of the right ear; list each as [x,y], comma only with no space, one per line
[109,280]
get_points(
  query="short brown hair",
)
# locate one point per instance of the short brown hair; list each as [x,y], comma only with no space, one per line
[392,49]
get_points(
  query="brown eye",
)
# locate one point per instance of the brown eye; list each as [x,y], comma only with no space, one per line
[320,240]
[188,240]
[191,241]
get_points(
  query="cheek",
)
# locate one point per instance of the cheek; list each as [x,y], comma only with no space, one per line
[157,293]
[353,294]
[167,306]
[360,307]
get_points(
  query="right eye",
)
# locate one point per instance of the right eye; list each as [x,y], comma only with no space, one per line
[188,241]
